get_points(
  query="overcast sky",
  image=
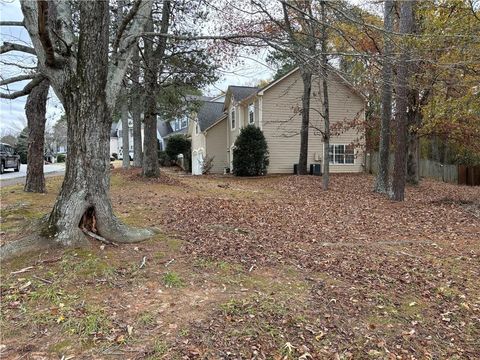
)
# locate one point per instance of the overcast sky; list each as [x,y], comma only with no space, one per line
[12,112]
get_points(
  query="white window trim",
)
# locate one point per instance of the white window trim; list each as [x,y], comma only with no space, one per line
[234,117]
[260,110]
[252,106]
[339,164]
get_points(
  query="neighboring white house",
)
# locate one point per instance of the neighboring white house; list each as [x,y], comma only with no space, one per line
[164,130]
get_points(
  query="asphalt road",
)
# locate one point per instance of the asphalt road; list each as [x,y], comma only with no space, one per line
[11,177]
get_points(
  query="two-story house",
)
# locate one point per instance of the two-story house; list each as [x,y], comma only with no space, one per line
[276,110]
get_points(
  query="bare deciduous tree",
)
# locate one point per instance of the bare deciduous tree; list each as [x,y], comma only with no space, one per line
[88,83]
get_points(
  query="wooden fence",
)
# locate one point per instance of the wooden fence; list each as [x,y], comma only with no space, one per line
[428,168]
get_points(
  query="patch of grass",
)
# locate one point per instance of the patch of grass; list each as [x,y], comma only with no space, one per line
[93,320]
[174,244]
[235,307]
[160,348]
[159,255]
[184,332]
[50,293]
[172,280]
[60,347]
[447,292]
[223,266]
[82,263]
[146,319]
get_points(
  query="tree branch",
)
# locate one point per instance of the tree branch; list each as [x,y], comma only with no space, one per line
[17,78]
[126,44]
[8,46]
[125,22]
[25,91]
[43,33]
[12,23]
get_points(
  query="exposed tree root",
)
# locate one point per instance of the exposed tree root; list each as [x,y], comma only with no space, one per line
[110,229]
[31,243]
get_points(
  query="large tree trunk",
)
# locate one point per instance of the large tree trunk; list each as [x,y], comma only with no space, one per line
[84,201]
[154,59]
[382,180]
[399,175]
[150,147]
[125,134]
[35,110]
[150,152]
[413,144]
[325,102]
[307,91]
[79,74]
[136,110]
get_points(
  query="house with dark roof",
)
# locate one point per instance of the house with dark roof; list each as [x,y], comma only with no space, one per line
[209,127]
[165,129]
[276,110]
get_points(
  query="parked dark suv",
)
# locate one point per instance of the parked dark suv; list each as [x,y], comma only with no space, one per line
[9,159]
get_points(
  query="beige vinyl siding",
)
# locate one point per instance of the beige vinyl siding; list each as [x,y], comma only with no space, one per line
[282,120]
[217,146]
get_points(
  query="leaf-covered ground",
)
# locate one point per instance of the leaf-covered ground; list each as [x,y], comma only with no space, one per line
[263,268]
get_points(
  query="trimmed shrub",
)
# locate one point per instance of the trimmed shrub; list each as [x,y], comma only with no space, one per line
[115,156]
[179,144]
[250,153]
[61,158]
[176,145]
[163,159]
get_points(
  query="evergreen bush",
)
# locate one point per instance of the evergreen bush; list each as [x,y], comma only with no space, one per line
[250,153]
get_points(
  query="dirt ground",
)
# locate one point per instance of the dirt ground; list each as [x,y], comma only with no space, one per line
[259,268]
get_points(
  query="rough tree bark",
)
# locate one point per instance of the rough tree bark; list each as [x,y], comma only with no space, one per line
[136,110]
[35,110]
[382,179]
[154,59]
[307,91]
[84,200]
[150,154]
[401,118]
[325,102]
[299,46]
[413,146]
[125,133]
[88,86]
[414,121]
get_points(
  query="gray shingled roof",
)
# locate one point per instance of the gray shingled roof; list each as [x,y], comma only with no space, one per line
[178,132]
[164,128]
[209,113]
[242,92]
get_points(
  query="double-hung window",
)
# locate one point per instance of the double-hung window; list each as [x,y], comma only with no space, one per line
[232,118]
[184,122]
[251,114]
[341,154]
